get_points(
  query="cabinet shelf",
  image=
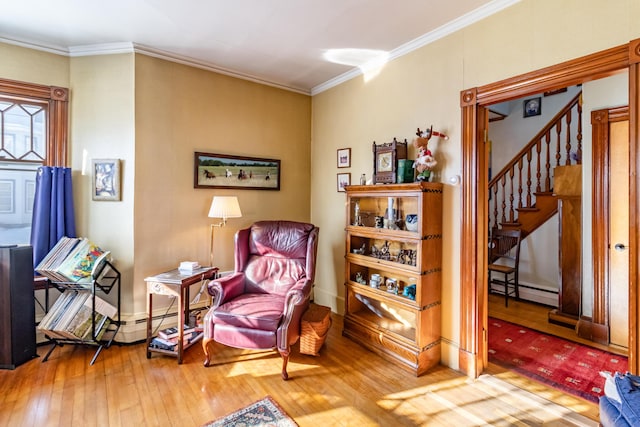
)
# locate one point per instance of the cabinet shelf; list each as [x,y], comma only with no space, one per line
[373,262]
[385,324]
[358,288]
[375,233]
[402,326]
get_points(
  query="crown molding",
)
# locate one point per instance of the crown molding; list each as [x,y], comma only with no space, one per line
[129,47]
[58,50]
[101,49]
[157,53]
[430,37]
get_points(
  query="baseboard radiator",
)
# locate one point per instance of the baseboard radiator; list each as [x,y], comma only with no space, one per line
[133,328]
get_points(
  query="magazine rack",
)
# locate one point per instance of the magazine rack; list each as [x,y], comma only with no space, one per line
[104,278]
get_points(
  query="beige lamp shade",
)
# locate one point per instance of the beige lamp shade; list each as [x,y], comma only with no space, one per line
[225,207]
[222,207]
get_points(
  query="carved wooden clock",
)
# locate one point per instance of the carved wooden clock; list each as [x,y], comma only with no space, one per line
[385,160]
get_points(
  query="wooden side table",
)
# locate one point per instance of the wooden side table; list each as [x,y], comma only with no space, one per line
[174,283]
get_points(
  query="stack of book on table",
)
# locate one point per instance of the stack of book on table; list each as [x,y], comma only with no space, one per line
[72,317]
[188,267]
[167,338]
[72,260]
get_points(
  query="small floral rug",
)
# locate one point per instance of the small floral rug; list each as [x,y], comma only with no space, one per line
[263,413]
[561,364]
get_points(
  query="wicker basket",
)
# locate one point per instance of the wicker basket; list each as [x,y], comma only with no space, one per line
[315,325]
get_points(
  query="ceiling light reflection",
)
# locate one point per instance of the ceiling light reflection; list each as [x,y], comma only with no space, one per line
[369,61]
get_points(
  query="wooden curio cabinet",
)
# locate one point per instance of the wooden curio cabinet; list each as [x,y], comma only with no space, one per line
[395,232]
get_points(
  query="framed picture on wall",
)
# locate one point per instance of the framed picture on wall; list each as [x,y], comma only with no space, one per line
[532,107]
[344,179]
[238,172]
[105,179]
[344,157]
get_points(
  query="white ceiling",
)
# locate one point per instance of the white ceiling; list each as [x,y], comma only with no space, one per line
[278,42]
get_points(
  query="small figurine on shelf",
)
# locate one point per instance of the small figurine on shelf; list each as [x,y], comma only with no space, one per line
[425,162]
[360,251]
[360,279]
[392,285]
[409,292]
[375,252]
[357,218]
[384,251]
[414,258]
[404,256]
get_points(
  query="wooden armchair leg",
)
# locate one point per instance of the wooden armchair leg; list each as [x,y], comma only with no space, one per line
[207,354]
[285,360]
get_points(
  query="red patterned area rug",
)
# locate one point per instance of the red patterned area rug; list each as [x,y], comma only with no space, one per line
[571,367]
[263,413]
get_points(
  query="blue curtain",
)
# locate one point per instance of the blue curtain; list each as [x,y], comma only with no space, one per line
[53,215]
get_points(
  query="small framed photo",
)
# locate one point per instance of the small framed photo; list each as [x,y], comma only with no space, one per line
[532,107]
[344,179]
[344,157]
[105,179]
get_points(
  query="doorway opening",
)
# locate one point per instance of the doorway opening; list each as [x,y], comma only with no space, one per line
[475,118]
[536,189]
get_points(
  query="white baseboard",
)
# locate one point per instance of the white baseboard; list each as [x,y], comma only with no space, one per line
[541,294]
[330,299]
[534,292]
[133,326]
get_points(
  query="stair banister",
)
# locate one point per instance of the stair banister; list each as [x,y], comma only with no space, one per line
[505,178]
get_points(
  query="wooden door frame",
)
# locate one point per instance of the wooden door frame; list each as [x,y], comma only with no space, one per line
[472,354]
[596,327]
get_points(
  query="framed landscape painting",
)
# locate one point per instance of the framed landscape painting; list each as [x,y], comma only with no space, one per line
[239,172]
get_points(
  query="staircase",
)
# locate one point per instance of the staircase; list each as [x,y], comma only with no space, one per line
[521,194]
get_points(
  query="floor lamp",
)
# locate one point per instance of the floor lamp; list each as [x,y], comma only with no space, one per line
[222,207]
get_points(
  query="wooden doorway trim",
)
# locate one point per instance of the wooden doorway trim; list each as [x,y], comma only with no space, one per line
[472,355]
[596,327]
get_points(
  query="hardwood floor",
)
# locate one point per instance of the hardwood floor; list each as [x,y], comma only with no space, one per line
[345,386]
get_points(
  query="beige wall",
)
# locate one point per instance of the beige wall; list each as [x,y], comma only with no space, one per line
[33,66]
[423,88]
[174,110]
[153,115]
[102,127]
[181,110]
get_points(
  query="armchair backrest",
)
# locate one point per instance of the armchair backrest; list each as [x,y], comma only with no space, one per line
[275,255]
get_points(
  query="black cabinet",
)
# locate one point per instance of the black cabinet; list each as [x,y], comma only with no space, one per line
[17,308]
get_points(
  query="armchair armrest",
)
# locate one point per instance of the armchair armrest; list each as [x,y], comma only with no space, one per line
[297,294]
[295,303]
[226,288]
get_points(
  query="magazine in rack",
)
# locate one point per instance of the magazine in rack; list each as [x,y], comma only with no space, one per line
[79,269]
[72,260]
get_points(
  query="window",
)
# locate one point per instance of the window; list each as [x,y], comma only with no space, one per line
[29,195]
[7,195]
[33,132]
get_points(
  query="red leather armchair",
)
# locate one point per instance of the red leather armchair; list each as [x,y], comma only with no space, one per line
[261,304]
